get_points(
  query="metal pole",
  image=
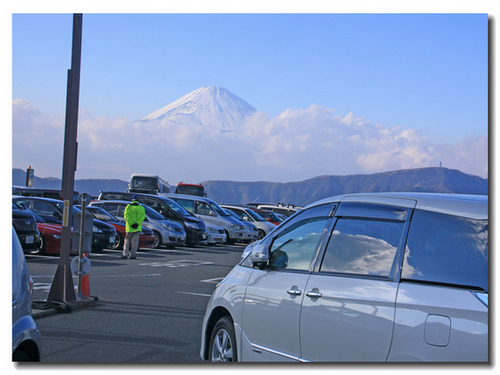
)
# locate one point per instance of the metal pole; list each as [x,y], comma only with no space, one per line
[62,288]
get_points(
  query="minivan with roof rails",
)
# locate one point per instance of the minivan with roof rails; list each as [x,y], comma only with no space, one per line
[387,277]
[196,230]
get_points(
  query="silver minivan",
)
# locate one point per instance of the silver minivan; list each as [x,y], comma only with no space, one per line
[388,277]
[26,337]
[166,232]
[211,213]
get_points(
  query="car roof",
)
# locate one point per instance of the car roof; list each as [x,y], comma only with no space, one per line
[470,206]
[18,197]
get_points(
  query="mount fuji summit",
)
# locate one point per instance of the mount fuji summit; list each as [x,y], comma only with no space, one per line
[214,108]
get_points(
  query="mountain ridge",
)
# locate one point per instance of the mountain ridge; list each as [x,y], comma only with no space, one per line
[300,193]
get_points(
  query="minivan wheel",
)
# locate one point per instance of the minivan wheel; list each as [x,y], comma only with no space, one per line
[223,342]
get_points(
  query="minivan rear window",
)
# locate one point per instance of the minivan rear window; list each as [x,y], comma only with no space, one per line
[447,249]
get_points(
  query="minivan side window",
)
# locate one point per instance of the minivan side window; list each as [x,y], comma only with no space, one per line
[447,249]
[203,208]
[363,246]
[294,246]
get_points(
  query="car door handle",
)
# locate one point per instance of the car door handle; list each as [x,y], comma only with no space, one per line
[314,294]
[294,292]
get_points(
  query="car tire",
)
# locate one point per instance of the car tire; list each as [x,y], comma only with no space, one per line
[223,342]
[43,246]
[157,244]
[118,242]
[261,235]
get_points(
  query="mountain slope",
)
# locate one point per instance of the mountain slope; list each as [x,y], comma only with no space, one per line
[438,180]
[214,108]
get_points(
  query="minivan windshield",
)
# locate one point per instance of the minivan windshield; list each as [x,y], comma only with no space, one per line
[176,207]
[152,213]
[217,208]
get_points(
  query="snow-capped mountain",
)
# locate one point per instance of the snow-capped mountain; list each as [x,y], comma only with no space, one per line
[214,108]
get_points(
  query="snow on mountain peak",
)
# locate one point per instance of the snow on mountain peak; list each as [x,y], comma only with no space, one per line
[215,108]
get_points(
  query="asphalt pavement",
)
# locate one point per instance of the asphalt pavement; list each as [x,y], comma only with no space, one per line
[147,310]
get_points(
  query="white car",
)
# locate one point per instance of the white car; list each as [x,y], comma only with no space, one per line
[360,278]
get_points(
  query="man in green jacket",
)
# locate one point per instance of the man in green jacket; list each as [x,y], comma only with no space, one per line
[134,216]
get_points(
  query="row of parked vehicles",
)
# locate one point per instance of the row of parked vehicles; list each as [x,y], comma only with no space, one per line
[171,220]
[394,277]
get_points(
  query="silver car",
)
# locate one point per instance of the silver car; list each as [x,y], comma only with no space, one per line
[360,278]
[247,214]
[26,338]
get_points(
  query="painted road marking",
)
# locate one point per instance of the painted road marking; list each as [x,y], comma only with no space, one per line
[176,263]
[213,281]
[196,294]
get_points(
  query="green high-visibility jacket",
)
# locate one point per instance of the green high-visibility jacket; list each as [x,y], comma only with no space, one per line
[134,214]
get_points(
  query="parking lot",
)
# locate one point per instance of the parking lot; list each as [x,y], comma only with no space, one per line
[147,310]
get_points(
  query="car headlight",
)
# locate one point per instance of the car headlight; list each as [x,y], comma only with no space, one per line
[211,230]
[168,227]
[191,225]
[96,230]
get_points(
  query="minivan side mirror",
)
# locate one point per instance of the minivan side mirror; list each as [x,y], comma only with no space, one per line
[260,255]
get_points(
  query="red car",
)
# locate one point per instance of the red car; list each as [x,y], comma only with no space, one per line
[268,215]
[146,239]
[50,235]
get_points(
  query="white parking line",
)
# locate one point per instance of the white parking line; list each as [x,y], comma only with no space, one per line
[196,294]
[176,263]
[213,281]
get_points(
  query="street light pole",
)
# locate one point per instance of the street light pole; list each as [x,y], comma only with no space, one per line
[62,288]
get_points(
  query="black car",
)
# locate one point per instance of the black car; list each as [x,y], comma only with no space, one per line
[25,225]
[196,230]
[51,210]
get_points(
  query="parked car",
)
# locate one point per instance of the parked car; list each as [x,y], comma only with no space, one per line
[165,232]
[26,337]
[24,224]
[50,236]
[196,230]
[267,215]
[41,192]
[248,214]
[51,210]
[251,231]
[211,213]
[146,238]
[215,235]
[360,278]
[279,208]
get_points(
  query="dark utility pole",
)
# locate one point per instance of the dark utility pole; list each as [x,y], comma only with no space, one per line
[62,288]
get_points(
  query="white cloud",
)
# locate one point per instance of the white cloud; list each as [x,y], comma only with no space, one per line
[296,145]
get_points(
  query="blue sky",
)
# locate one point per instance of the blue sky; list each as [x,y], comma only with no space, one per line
[425,73]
